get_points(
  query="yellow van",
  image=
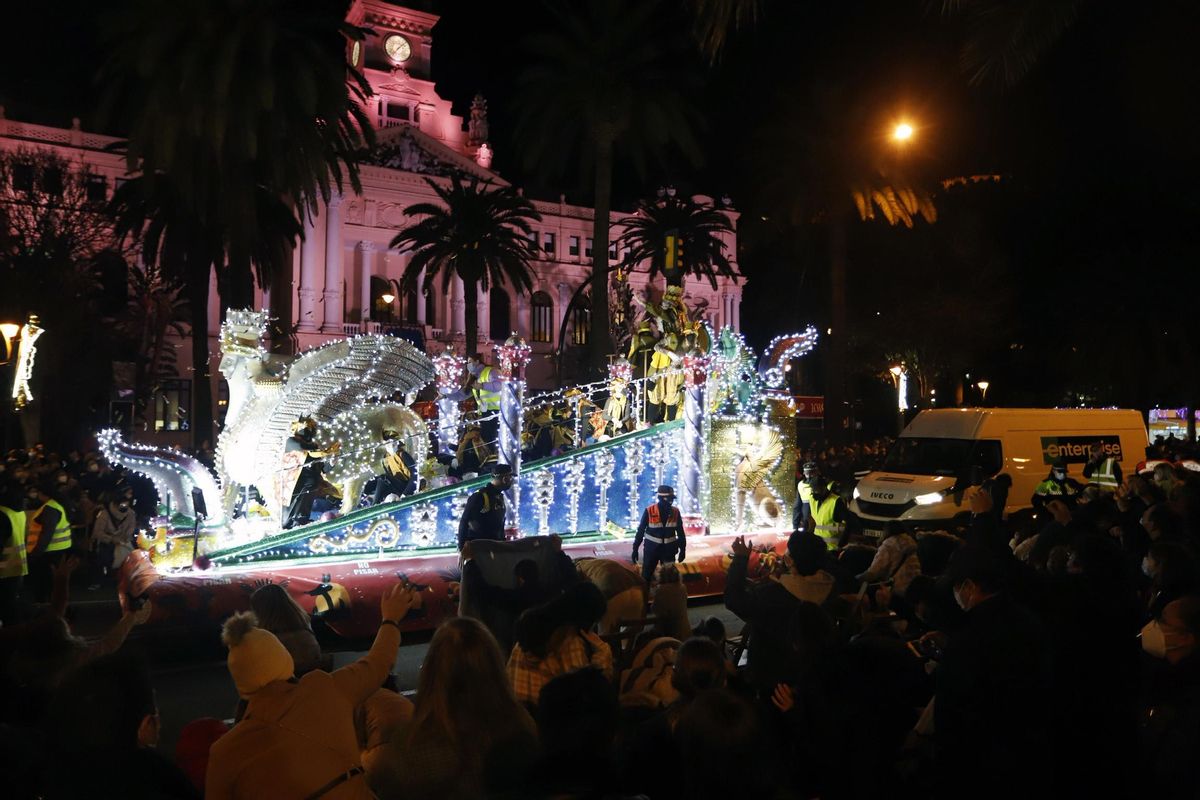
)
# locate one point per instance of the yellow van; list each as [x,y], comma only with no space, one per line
[945,453]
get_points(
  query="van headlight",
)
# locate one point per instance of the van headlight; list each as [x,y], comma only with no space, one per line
[857,494]
[928,499]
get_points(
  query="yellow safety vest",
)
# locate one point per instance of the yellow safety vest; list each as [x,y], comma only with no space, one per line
[14,562]
[1105,476]
[485,399]
[824,524]
[61,538]
[804,490]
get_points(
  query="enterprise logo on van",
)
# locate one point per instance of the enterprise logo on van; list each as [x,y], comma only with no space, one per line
[1077,449]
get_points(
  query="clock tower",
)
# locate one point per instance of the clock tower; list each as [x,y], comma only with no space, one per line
[394,56]
[400,38]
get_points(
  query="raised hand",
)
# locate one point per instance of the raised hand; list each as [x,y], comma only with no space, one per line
[739,548]
[782,697]
[397,601]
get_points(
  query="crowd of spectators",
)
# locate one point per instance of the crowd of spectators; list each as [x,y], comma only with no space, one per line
[843,463]
[1048,654]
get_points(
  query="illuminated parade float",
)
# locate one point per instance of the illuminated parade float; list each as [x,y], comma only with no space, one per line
[724,442]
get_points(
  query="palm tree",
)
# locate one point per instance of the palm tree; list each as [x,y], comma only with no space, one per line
[697,230]
[827,162]
[605,83]
[231,105]
[715,20]
[479,234]
[155,310]
[1005,39]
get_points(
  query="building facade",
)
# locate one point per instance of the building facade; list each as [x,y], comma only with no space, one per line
[346,279]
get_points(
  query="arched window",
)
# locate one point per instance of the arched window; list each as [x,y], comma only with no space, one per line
[431,315]
[501,325]
[541,317]
[383,299]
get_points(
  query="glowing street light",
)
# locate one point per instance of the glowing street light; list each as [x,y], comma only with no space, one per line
[9,330]
[983,387]
[388,298]
[900,378]
[903,132]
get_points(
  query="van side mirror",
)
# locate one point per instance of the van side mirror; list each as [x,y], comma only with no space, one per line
[976,476]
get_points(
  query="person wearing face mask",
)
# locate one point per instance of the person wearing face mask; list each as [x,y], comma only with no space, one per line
[1170,722]
[113,535]
[1058,484]
[991,697]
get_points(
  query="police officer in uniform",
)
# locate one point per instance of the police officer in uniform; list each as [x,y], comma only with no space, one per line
[483,517]
[1057,485]
[827,515]
[804,494]
[662,528]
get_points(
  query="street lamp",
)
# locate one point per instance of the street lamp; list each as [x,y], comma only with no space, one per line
[9,330]
[903,133]
[983,387]
[900,379]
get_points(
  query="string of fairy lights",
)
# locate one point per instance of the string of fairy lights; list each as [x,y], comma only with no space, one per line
[344,379]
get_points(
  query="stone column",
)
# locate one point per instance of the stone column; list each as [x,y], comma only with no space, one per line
[483,311]
[308,279]
[366,254]
[736,302]
[458,306]
[214,306]
[334,274]
[420,293]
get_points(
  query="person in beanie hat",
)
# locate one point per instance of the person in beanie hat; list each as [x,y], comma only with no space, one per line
[662,529]
[297,737]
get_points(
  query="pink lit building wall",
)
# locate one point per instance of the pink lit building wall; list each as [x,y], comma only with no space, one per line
[344,266]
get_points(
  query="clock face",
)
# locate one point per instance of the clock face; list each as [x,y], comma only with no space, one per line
[397,48]
[355,54]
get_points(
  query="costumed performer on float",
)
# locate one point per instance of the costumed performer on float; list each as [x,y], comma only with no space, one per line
[303,457]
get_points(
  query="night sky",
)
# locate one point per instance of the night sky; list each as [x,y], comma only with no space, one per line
[1090,235]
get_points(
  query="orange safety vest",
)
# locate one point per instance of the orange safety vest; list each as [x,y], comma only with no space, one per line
[655,527]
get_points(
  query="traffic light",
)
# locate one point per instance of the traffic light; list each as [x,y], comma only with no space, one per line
[672,254]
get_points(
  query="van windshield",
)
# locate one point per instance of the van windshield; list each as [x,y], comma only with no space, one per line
[921,456]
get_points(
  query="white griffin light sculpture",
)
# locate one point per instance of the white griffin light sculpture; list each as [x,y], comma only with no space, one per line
[339,386]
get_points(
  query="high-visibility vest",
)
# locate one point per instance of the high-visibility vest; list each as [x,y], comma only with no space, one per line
[13,559]
[656,527]
[804,490]
[1053,487]
[485,399]
[824,525]
[1105,474]
[60,537]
